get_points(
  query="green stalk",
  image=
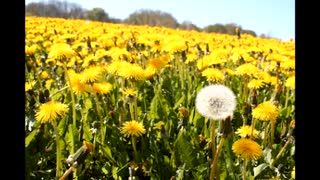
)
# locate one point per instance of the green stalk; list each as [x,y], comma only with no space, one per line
[135,107]
[62,89]
[272,131]
[228,158]
[265,133]
[99,113]
[74,116]
[215,160]
[281,152]
[252,127]
[134,145]
[58,150]
[131,111]
[244,173]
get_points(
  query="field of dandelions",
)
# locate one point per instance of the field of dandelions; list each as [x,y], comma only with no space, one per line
[112,101]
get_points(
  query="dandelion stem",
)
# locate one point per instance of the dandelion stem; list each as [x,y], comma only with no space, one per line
[58,150]
[99,113]
[66,174]
[280,152]
[215,160]
[228,158]
[272,131]
[265,133]
[72,98]
[244,173]
[134,145]
[252,127]
[131,111]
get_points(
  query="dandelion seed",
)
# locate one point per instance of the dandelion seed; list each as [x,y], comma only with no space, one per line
[216,102]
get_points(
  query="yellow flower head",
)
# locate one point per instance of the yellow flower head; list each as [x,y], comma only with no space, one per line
[245,131]
[247,69]
[290,82]
[255,84]
[51,110]
[247,149]
[60,50]
[91,74]
[49,83]
[132,71]
[213,74]
[77,85]
[102,88]
[158,63]
[44,75]
[130,92]
[31,50]
[133,128]
[265,111]
[29,85]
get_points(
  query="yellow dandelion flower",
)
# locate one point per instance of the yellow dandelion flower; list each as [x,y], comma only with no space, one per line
[245,131]
[116,65]
[60,50]
[255,84]
[50,111]
[130,94]
[290,82]
[149,72]
[247,69]
[265,111]
[49,83]
[102,88]
[29,85]
[133,128]
[77,85]
[228,71]
[159,125]
[91,74]
[158,63]
[31,50]
[213,74]
[132,71]
[247,149]
[44,75]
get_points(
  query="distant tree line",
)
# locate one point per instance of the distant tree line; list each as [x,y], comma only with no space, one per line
[64,9]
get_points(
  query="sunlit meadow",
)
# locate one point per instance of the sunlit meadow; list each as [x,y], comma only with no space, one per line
[114,101]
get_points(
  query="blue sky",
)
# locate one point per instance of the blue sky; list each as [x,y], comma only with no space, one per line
[275,18]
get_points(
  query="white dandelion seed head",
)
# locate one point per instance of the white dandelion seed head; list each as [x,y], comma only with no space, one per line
[216,102]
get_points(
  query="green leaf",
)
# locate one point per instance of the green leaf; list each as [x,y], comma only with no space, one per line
[107,152]
[267,155]
[30,137]
[184,152]
[72,138]
[62,126]
[87,135]
[257,170]
[154,107]
[115,172]
[180,101]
